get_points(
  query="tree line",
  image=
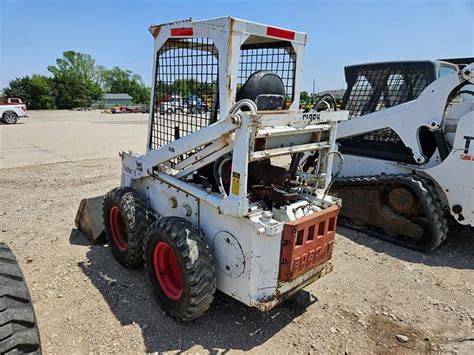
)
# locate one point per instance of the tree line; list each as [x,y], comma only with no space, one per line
[76,81]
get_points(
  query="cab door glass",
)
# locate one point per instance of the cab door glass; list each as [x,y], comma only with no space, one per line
[445,70]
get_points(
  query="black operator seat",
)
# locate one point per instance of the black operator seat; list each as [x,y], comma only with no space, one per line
[265,88]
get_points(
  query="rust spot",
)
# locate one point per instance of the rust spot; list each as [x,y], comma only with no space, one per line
[155,31]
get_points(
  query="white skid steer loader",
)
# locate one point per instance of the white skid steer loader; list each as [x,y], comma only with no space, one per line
[408,150]
[206,207]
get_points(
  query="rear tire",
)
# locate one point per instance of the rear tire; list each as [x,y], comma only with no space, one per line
[10,117]
[125,221]
[18,327]
[180,268]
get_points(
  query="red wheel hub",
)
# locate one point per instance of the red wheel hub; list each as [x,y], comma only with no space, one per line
[167,271]
[116,228]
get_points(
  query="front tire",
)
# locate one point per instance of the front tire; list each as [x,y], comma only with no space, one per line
[125,221]
[180,268]
[10,117]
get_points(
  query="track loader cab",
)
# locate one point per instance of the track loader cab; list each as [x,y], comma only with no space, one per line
[377,86]
[408,131]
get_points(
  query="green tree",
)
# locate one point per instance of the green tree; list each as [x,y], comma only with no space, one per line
[76,64]
[117,80]
[75,80]
[304,97]
[69,91]
[35,91]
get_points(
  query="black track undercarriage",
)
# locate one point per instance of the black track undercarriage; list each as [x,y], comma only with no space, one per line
[401,209]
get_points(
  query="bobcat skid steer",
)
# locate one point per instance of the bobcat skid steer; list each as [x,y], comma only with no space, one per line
[409,160]
[206,206]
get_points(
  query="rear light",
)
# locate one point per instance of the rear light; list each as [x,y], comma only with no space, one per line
[23,107]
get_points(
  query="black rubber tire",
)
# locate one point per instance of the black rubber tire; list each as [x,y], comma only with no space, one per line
[195,261]
[133,212]
[18,327]
[13,116]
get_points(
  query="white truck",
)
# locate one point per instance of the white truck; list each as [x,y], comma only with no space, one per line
[11,110]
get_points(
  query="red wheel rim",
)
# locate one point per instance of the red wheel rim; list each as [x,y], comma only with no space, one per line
[116,228]
[167,271]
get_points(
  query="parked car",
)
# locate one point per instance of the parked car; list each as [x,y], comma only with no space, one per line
[195,104]
[174,104]
[12,110]
[10,101]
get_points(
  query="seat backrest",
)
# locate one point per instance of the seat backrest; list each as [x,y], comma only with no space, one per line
[265,88]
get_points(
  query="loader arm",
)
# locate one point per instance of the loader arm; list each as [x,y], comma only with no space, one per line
[426,111]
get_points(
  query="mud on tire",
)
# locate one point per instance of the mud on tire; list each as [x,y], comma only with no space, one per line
[180,268]
[125,221]
[18,327]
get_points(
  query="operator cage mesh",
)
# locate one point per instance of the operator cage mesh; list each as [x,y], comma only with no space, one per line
[375,90]
[277,57]
[186,89]
[186,95]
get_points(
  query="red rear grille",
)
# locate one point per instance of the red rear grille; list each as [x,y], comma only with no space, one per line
[307,243]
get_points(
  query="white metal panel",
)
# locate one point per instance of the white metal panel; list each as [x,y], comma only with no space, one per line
[455,174]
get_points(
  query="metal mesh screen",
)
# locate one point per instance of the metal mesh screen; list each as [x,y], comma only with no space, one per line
[386,135]
[374,90]
[186,89]
[277,57]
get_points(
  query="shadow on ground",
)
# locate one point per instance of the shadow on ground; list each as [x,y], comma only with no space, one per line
[456,251]
[228,324]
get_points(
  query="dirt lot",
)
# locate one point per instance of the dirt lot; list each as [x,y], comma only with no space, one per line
[85,302]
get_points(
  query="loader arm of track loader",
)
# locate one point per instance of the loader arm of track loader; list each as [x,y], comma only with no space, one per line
[406,119]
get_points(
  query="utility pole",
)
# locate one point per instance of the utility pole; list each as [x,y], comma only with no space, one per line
[312,95]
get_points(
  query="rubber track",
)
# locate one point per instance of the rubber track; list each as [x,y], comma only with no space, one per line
[18,327]
[134,211]
[200,282]
[427,197]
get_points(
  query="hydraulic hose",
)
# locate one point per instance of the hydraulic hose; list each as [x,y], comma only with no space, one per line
[339,169]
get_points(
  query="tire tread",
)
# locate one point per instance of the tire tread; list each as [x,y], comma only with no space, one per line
[197,260]
[18,327]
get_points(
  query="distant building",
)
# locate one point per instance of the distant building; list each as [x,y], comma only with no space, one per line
[110,100]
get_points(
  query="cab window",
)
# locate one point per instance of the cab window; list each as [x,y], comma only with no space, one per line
[445,70]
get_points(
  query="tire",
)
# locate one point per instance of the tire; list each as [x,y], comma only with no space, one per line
[174,247]
[18,327]
[10,117]
[125,221]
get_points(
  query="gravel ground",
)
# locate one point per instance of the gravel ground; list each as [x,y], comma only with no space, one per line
[379,298]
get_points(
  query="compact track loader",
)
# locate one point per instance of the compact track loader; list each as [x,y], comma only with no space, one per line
[208,206]
[408,156]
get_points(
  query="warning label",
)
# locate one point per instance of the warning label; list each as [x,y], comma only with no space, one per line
[235,183]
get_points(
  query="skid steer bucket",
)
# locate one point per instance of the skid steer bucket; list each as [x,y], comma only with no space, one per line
[89,219]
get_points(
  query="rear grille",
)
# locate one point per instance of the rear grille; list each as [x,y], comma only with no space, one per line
[307,243]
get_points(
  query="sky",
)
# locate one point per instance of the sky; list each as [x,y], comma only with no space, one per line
[33,33]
